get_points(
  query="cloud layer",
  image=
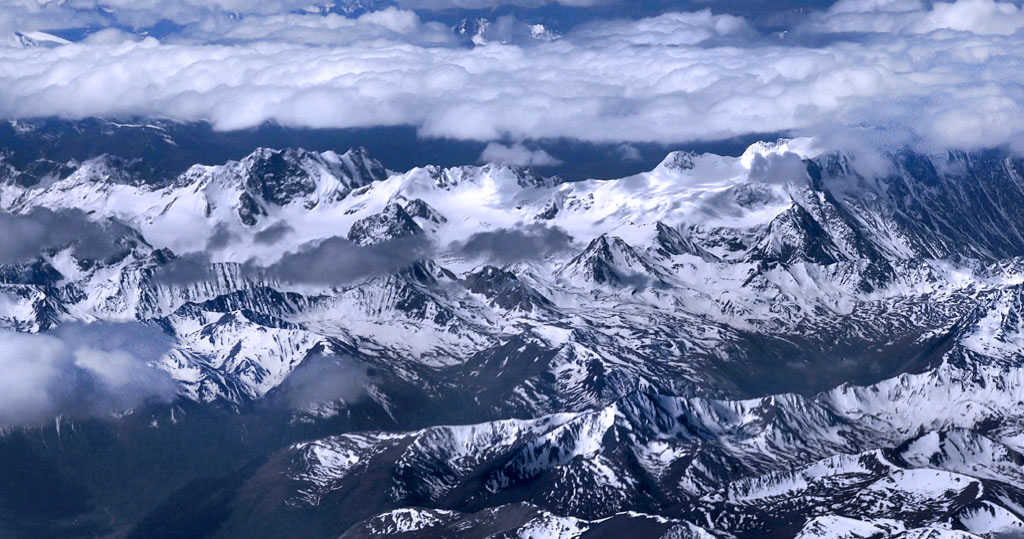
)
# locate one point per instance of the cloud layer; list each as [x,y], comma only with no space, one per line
[984,17]
[335,261]
[322,379]
[80,370]
[508,245]
[338,261]
[26,236]
[931,74]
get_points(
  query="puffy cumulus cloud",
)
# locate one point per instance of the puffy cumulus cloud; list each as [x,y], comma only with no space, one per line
[917,17]
[517,155]
[42,14]
[670,78]
[81,370]
[396,20]
[386,26]
[110,36]
[667,30]
[24,15]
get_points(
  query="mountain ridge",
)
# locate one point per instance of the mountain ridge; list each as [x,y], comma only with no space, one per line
[567,357]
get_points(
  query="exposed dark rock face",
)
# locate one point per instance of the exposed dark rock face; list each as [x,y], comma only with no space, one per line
[843,352]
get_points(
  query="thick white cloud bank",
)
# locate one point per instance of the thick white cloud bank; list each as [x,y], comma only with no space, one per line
[916,17]
[938,75]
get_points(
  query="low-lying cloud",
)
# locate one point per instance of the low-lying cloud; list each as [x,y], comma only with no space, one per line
[508,245]
[186,269]
[339,261]
[785,167]
[323,379]
[335,261]
[81,370]
[29,235]
[273,233]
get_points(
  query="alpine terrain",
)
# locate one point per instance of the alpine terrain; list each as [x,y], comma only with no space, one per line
[784,343]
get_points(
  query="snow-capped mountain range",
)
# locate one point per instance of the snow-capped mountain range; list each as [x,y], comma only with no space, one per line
[787,343]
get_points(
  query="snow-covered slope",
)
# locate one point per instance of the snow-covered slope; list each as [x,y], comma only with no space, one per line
[772,343]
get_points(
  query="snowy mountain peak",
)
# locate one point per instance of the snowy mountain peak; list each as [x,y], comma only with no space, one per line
[794,236]
[670,241]
[609,260]
[419,209]
[281,176]
[708,342]
[500,176]
[505,289]
[391,223]
[996,330]
[28,40]
[679,161]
